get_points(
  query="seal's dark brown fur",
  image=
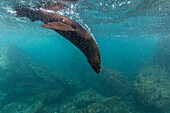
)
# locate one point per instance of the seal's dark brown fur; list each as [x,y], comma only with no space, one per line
[69,29]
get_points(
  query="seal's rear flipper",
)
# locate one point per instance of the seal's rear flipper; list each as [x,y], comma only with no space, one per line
[53,6]
[58,26]
[24,11]
[19,11]
[72,1]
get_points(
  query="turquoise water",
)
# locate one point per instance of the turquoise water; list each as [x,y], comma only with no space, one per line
[129,35]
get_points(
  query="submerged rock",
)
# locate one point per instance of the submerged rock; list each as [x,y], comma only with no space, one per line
[49,98]
[34,108]
[14,66]
[10,55]
[80,101]
[18,107]
[109,105]
[162,54]
[152,87]
[111,83]
[86,98]
[15,107]
[21,78]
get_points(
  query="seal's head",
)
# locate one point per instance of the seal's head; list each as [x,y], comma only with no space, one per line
[95,63]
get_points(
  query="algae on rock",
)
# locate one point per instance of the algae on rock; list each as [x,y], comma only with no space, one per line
[80,101]
[152,87]
[162,54]
[111,83]
[19,107]
[21,78]
[109,105]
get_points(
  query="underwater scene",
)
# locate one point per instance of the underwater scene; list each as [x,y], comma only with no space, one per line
[85,56]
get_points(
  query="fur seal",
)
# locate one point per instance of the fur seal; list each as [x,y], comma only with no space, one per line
[68,28]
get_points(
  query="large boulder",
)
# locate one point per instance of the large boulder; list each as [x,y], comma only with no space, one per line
[152,87]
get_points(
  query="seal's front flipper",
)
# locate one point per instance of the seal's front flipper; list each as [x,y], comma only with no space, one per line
[58,26]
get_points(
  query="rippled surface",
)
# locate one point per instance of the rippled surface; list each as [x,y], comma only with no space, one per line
[105,12]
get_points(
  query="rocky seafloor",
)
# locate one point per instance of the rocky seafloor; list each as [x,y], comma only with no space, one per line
[29,87]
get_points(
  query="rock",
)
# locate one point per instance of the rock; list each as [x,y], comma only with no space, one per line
[49,98]
[111,83]
[109,105]
[15,107]
[21,78]
[18,107]
[80,101]
[152,87]
[162,54]
[10,55]
[35,108]
[14,66]
[86,98]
